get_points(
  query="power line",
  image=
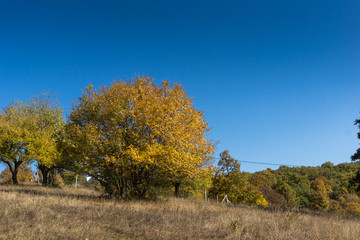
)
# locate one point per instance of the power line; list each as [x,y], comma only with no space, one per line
[265,163]
[274,164]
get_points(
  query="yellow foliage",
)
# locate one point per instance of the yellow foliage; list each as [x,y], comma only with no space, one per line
[353,209]
[320,198]
[24,175]
[262,202]
[335,206]
[29,131]
[57,180]
[139,128]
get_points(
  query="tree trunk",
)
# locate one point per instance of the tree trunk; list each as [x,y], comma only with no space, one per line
[142,194]
[45,172]
[177,189]
[14,176]
[14,169]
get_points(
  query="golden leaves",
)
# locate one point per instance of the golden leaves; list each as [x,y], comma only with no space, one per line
[32,128]
[147,124]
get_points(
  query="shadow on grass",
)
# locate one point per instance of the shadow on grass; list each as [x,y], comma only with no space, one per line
[38,190]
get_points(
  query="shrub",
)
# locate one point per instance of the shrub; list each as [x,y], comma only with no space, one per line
[25,174]
[353,209]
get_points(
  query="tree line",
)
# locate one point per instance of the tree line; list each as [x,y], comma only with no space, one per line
[138,139]
[129,136]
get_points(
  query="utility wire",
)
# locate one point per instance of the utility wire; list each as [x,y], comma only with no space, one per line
[264,163]
[274,164]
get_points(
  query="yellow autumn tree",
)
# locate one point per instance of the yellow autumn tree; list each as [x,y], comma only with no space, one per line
[130,133]
[25,174]
[15,138]
[29,131]
[320,198]
[47,123]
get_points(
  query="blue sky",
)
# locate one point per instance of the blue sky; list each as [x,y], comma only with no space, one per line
[278,80]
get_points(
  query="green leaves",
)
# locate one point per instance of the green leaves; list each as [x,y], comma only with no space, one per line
[229,181]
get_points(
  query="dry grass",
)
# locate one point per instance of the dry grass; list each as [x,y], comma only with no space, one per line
[34,212]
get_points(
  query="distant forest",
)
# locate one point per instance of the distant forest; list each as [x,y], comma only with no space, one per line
[329,187]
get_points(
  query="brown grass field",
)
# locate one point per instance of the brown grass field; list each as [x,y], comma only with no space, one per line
[35,212]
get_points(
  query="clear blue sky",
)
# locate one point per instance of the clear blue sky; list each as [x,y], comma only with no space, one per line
[277,80]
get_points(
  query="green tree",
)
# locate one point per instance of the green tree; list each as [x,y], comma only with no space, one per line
[356,155]
[287,191]
[133,132]
[327,165]
[228,165]
[228,180]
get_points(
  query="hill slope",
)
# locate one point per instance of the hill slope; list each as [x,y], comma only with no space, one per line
[34,212]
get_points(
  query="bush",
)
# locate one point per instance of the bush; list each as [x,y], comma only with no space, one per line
[335,207]
[25,174]
[353,209]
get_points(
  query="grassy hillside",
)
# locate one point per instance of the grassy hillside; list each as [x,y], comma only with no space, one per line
[34,212]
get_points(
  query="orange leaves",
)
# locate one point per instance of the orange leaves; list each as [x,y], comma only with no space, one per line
[141,123]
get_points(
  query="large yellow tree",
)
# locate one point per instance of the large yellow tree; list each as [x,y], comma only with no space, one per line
[130,133]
